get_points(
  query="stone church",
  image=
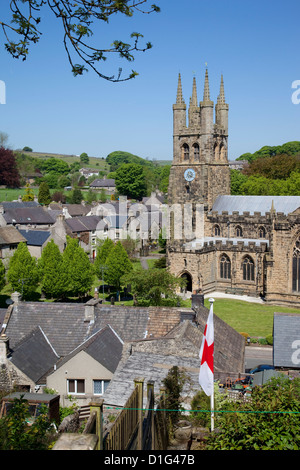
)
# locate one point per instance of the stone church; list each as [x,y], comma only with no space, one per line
[234,244]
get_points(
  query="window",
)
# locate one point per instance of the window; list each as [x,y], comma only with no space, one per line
[100,386]
[196,152]
[239,231]
[225,267]
[248,269]
[296,266]
[76,386]
[185,152]
[216,231]
[262,232]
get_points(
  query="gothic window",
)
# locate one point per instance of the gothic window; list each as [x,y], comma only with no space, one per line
[196,152]
[222,152]
[185,152]
[296,266]
[248,269]
[216,151]
[239,231]
[216,231]
[225,267]
[262,232]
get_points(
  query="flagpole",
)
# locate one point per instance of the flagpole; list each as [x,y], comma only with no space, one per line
[212,406]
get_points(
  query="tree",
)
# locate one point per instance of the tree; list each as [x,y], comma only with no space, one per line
[269,422]
[2,275]
[52,277]
[77,196]
[84,158]
[102,255]
[117,264]
[29,194]
[16,434]
[44,196]
[80,272]
[130,181]
[76,20]
[9,174]
[22,271]
[55,165]
[154,286]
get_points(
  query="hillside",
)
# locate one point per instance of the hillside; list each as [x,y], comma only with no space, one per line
[94,162]
[289,148]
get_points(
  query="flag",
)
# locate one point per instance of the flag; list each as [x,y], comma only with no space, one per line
[206,354]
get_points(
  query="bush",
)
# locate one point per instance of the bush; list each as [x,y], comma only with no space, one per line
[269,340]
[202,402]
[245,335]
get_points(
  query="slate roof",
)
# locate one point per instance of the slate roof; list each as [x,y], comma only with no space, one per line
[10,235]
[152,358]
[150,367]
[251,204]
[65,326]
[35,237]
[103,183]
[76,210]
[104,346]
[34,355]
[130,323]
[18,204]
[286,335]
[84,223]
[62,323]
[28,215]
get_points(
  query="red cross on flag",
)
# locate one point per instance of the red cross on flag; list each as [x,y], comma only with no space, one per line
[206,354]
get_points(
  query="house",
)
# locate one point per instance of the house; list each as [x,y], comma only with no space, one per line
[36,240]
[25,215]
[86,229]
[87,172]
[10,237]
[86,372]
[26,365]
[107,184]
[152,357]
[77,348]
[76,210]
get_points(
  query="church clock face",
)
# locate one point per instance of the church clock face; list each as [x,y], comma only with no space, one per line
[189,174]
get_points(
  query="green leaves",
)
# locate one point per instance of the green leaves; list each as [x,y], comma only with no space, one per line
[269,422]
[77,268]
[23,271]
[76,19]
[117,264]
[154,286]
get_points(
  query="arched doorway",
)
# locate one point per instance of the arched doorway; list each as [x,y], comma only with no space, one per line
[189,282]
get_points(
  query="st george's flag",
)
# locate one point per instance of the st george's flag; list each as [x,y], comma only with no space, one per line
[206,355]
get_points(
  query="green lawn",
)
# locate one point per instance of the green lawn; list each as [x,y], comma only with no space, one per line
[247,317]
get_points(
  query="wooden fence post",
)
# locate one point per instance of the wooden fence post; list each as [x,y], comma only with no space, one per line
[150,390]
[139,382]
[97,407]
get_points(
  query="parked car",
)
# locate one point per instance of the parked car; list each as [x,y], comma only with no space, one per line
[260,368]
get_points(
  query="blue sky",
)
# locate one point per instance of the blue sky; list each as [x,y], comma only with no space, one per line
[254,44]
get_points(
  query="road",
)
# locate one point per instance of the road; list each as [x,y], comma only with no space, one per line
[258,355]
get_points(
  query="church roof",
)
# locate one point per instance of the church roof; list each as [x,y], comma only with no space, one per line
[251,204]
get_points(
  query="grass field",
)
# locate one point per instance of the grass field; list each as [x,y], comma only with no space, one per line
[247,317]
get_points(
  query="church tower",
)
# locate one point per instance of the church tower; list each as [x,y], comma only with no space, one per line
[200,170]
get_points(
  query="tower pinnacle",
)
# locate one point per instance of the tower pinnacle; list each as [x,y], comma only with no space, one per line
[221,97]
[179,98]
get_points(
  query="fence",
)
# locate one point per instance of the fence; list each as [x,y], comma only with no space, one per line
[133,428]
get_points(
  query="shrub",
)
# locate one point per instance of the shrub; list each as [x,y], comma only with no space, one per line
[269,340]
[245,335]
